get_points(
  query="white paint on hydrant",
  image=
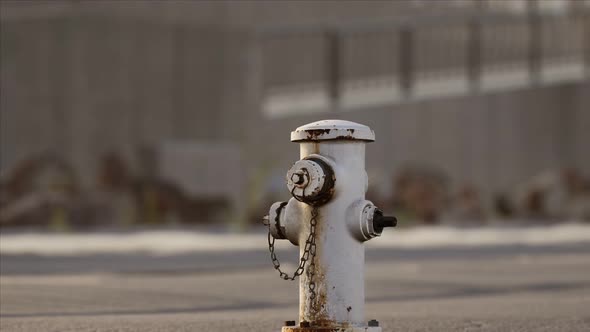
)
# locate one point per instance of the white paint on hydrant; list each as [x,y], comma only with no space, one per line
[330,177]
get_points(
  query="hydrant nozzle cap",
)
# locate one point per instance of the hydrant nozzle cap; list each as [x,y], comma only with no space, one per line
[332,130]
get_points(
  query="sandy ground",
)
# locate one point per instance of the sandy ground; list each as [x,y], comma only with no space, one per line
[493,288]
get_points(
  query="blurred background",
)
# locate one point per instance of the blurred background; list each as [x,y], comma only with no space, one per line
[168,122]
[124,113]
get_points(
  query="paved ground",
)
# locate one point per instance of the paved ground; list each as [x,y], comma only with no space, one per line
[469,289]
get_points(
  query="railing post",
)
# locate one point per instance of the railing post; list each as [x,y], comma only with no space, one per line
[474,56]
[406,60]
[179,49]
[535,42]
[578,10]
[475,46]
[333,60]
[586,36]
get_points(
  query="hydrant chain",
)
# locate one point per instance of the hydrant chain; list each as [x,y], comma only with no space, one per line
[310,248]
[311,268]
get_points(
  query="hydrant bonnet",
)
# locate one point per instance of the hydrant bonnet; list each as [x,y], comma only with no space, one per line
[325,130]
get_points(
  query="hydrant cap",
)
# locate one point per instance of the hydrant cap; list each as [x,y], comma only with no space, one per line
[332,130]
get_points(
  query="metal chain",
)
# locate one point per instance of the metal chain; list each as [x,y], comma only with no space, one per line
[311,270]
[309,249]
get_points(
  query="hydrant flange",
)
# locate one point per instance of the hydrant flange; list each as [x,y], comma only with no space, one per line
[330,329]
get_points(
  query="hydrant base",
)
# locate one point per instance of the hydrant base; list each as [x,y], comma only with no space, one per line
[331,329]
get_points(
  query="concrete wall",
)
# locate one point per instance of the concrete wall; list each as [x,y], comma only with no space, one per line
[494,141]
[578,133]
[81,85]
[84,77]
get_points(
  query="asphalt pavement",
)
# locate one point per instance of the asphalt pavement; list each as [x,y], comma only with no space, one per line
[504,288]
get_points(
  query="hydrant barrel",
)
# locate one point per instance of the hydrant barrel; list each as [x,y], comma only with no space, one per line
[340,257]
[329,218]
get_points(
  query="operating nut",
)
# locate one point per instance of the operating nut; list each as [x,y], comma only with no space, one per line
[299,179]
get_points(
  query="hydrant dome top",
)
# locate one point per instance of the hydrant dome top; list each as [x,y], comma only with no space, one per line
[332,130]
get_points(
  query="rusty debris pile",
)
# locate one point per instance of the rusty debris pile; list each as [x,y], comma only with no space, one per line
[45,191]
[425,195]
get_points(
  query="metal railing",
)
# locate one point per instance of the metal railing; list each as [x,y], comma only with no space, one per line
[401,56]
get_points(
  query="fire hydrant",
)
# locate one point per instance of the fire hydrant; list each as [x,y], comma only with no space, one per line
[329,219]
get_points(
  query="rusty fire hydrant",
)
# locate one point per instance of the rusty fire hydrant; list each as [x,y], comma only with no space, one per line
[329,219]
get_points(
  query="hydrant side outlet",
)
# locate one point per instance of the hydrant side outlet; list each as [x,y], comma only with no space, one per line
[311,180]
[329,218]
